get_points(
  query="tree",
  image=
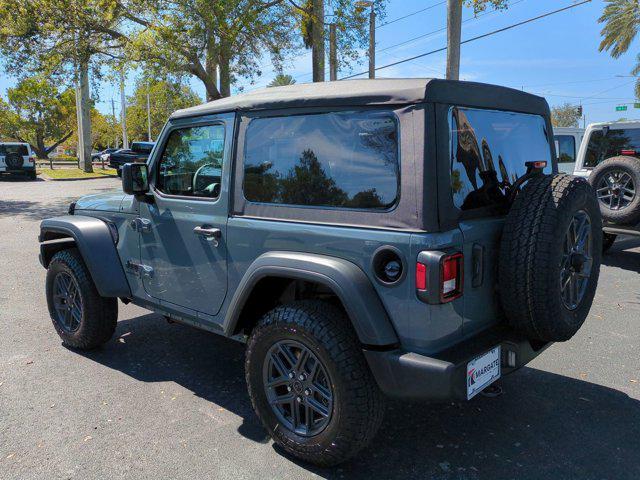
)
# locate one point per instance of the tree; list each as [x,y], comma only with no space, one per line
[165,96]
[621,19]
[38,114]
[454,29]
[60,37]
[199,37]
[565,115]
[281,80]
[351,21]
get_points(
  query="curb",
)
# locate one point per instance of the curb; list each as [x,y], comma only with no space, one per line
[49,179]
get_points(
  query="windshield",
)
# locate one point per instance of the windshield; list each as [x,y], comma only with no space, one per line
[142,147]
[488,153]
[619,141]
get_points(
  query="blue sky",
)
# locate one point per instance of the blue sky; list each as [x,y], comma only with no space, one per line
[556,57]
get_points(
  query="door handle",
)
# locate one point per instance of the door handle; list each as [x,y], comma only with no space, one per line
[210,233]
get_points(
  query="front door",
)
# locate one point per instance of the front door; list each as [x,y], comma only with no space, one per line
[182,232]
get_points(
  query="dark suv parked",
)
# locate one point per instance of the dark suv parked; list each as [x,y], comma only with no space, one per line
[404,238]
[139,152]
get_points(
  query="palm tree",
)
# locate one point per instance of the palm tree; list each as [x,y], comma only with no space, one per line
[621,19]
[281,80]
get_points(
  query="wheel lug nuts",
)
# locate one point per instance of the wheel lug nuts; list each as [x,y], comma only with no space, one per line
[292,375]
[288,388]
[307,391]
[299,399]
[301,377]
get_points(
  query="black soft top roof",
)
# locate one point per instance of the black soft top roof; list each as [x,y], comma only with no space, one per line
[374,92]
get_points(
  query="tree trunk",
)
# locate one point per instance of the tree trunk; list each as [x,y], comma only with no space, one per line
[225,76]
[84,121]
[317,41]
[454,33]
[39,148]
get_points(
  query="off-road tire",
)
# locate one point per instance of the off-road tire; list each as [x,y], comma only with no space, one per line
[531,253]
[358,406]
[630,215]
[608,239]
[99,314]
[13,160]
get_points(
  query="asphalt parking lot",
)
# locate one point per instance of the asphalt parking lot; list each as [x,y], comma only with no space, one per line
[168,401]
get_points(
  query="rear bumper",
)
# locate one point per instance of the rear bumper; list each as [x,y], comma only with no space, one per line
[19,171]
[409,375]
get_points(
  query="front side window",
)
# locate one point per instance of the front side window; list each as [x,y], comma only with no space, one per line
[566,148]
[619,141]
[340,159]
[191,164]
[489,149]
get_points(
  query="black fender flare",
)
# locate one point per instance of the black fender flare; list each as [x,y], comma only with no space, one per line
[352,286]
[96,244]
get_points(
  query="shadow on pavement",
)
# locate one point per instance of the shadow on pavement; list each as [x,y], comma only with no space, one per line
[624,254]
[543,426]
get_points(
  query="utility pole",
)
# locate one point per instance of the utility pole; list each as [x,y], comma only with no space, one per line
[454,34]
[113,114]
[333,53]
[317,39]
[123,113]
[372,36]
[148,116]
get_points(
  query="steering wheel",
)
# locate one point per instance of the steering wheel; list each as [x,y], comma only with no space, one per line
[212,189]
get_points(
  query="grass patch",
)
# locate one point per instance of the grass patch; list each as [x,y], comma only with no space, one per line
[73,173]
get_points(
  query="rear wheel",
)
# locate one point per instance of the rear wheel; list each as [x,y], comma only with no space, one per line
[310,385]
[550,257]
[82,318]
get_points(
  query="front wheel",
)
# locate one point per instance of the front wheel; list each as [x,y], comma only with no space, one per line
[310,385]
[82,318]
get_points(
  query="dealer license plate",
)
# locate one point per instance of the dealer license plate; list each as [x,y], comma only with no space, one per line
[482,371]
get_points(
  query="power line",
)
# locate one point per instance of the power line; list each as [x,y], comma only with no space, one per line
[410,14]
[438,50]
[444,29]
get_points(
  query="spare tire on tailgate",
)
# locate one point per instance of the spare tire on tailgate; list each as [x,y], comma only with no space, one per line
[550,257]
[616,182]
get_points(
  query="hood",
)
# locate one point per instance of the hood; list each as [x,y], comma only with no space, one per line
[106,202]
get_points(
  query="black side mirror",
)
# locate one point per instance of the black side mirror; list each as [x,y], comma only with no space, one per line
[135,179]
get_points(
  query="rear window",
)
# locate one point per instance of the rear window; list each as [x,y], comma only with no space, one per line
[619,141]
[339,159]
[488,153]
[19,149]
[566,148]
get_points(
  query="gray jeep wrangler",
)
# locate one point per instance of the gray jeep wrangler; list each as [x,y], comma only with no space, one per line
[402,238]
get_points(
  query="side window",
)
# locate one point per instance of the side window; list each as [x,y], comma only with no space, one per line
[566,148]
[338,159]
[619,141]
[191,164]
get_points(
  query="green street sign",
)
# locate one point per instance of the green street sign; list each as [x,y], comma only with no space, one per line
[621,108]
[636,105]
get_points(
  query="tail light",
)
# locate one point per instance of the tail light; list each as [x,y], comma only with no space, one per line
[439,276]
[32,159]
[628,152]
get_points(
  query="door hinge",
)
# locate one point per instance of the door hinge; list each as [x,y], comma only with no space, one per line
[141,225]
[139,269]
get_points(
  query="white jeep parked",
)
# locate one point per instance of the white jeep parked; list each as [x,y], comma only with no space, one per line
[17,158]
[610,158]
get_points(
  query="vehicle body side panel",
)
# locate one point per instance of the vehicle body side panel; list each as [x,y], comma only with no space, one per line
[349,282]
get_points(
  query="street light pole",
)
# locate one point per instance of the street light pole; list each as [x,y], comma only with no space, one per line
[333,53]
[123,113]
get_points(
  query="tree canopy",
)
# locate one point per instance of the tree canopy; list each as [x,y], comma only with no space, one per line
[281,80]
[165,96]
[565,115]
[39,114]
